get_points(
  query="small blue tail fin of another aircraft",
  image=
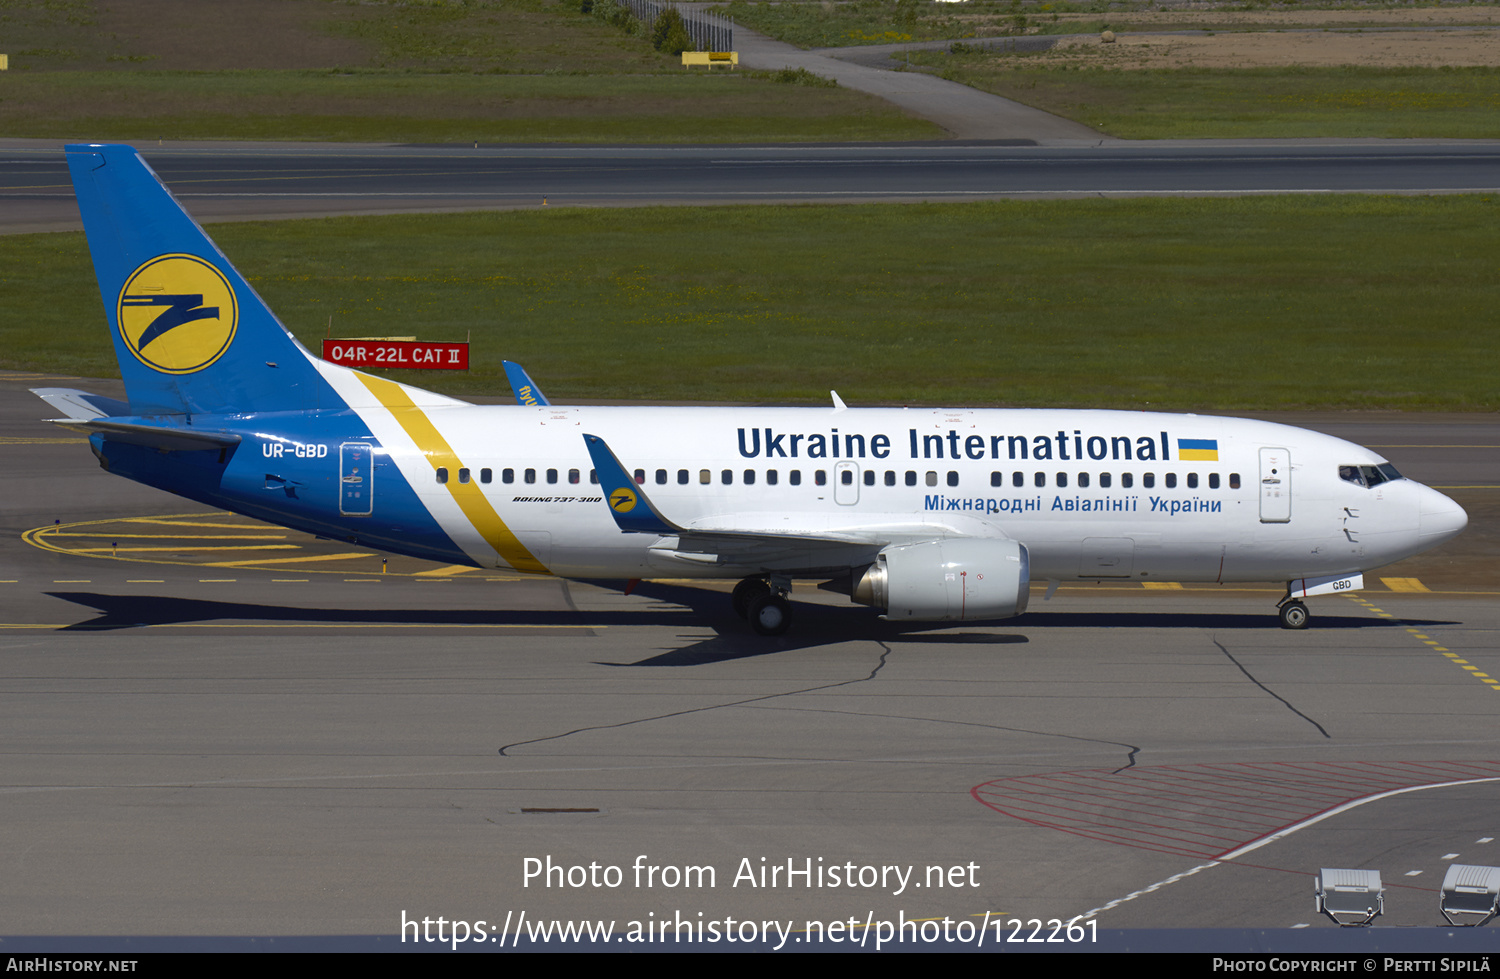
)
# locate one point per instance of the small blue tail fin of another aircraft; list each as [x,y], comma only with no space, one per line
[190,334]
[525,389]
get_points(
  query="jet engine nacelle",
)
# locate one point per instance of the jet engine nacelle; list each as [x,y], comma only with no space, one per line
[945,580]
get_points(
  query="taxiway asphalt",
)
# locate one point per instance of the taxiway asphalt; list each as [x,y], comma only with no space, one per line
[194,750]
[219,182]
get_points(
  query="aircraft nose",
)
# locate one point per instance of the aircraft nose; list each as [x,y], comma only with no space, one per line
[1441,518]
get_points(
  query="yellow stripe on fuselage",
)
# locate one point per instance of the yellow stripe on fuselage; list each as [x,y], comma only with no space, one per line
[441,455]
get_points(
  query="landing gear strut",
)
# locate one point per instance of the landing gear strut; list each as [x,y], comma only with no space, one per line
[762,601]
[1293,614]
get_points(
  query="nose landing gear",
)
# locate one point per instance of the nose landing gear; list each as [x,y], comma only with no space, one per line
[1293,613]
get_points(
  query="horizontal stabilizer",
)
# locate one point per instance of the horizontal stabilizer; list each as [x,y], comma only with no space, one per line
[80,405]
[169,438]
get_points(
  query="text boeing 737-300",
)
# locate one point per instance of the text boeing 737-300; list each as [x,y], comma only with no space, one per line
[928,514]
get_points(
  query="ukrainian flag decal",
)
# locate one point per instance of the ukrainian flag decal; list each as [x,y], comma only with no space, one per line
[1198,450]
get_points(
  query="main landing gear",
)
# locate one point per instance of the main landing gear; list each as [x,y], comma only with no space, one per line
[1293,613]
[762,602]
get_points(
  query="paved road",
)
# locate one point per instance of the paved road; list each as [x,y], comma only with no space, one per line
[966,113]
[249,181]
[195,750]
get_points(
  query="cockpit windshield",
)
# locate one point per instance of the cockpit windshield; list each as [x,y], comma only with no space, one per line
[1368,476]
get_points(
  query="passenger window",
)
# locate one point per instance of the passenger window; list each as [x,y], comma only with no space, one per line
[1213,480]
[820,477]
[661,477]
[1148,480]
[442,474]
[1062,480]
[486,475]
[507,475]
[1234,480]
[1104,480]
[1127,480]
[795,477]
[1018,479]
[749,477]
[890,477]
[1171,480]
[952,478]
[847,477]
[1083,480]
[911,477]
[551,475]
[1192,480]
[640,477]
[463,475]
[997,479]
[574,476]
[770,477]
[593,477]
[869,477]
[705,477]
[727,477]
[682,477]
[1041,479]
[530,475]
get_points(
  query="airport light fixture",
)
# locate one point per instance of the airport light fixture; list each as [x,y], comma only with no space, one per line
[1349,898]
[1472,891]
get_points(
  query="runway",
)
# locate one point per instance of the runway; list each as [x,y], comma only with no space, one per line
[218,182]
[201,747]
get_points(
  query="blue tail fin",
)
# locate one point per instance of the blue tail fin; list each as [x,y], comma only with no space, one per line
[190,334]
[521,384]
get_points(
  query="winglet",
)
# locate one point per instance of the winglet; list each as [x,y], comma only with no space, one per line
[632,511]
[838,402]
[526,391]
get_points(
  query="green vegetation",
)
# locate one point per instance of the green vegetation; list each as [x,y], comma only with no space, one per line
[414,71]
[826,24]
[1268,302]
[399,107]
[1213,103]
[818,25]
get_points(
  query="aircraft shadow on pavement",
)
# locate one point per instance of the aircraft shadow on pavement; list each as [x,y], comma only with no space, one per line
[135,611]
[730,637]
[691,613]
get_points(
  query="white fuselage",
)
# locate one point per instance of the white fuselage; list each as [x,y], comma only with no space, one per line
[1091,494]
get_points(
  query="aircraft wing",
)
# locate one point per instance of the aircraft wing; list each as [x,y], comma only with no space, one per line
[755,539]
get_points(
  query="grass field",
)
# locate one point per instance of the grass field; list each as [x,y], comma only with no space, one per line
[1321,302]
[1211,103]
[501,71]
[379,106]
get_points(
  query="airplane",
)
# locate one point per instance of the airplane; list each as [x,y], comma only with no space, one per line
[928,514]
